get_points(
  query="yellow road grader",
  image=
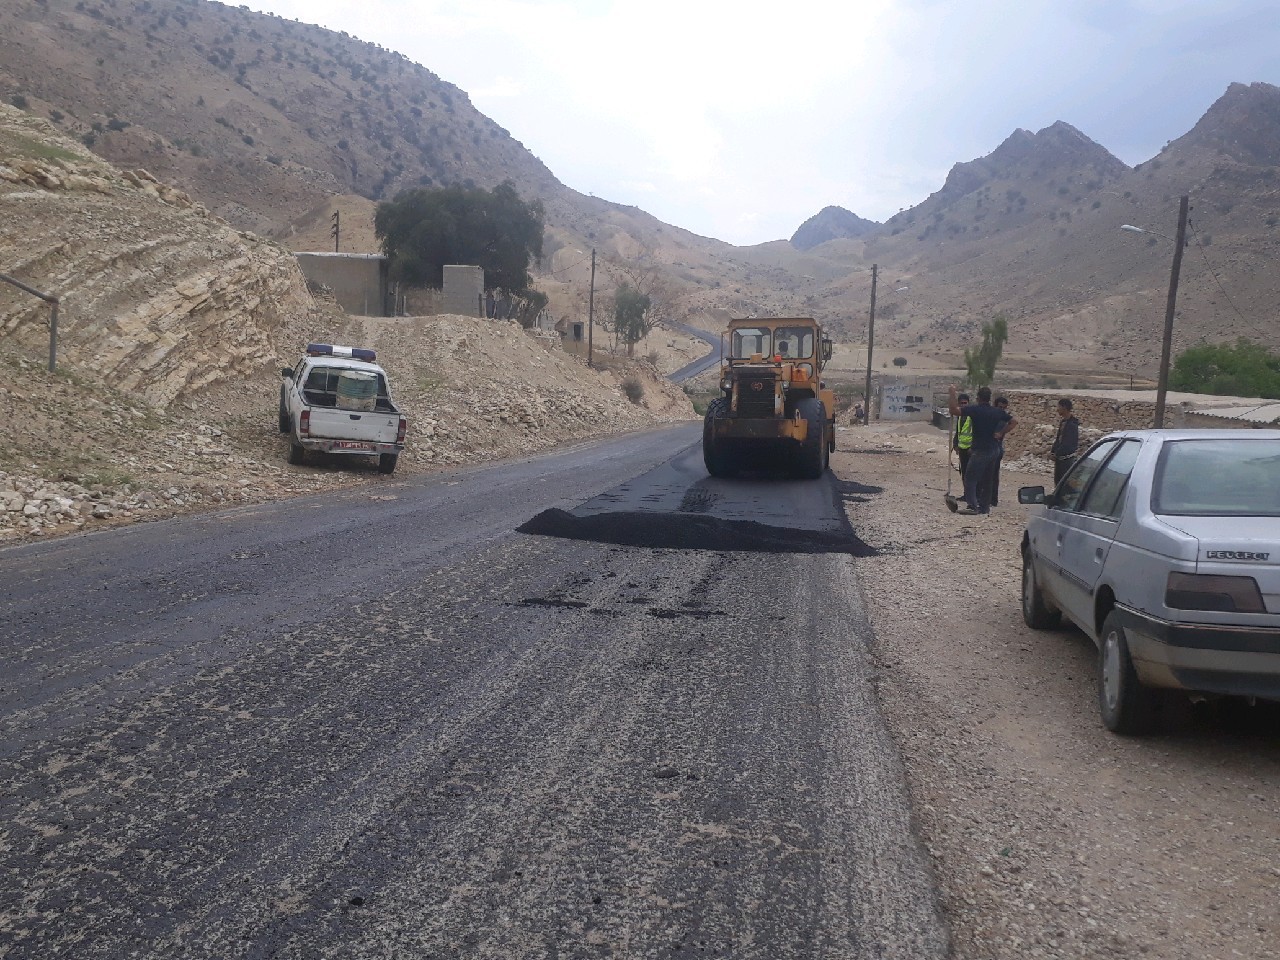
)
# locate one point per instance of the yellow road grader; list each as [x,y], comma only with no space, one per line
[775,406]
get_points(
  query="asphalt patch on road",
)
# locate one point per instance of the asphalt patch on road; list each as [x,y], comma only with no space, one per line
[693,531]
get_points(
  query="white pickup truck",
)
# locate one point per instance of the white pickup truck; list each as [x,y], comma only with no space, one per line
[337,401]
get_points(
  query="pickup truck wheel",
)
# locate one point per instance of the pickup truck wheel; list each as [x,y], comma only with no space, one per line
[1035,611]
[813,452]
[297,453]
[285,423]
[1127,706]
[387,462]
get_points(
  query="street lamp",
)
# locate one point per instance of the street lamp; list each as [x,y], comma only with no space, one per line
[1166,345]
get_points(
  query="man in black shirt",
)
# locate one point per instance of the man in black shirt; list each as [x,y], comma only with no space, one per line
[990,424]
[1066,442]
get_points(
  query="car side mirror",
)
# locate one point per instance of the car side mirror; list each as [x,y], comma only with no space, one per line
[1032,495]
[826,349]
[287,372]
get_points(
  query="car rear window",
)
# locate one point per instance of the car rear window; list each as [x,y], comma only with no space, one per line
[1218,478]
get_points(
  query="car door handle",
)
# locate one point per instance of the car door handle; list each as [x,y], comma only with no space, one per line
[1097,554]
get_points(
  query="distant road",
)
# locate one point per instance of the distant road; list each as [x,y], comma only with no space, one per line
[697,366]
[385,723]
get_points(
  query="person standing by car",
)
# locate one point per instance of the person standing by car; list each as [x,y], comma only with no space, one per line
[989,427]
[1066,443]
[1001,403]
[962,438]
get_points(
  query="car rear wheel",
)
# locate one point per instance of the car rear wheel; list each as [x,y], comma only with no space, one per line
[1037,614]
[1127,706]
[297,454]
[387,462]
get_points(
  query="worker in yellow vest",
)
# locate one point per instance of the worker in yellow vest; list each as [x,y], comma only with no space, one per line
[962,437]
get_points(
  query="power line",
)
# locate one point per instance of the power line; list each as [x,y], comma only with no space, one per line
[1214,273]
[553,273]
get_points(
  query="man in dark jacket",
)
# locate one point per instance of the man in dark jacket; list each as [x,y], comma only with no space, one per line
[1066,442]
[1001,403]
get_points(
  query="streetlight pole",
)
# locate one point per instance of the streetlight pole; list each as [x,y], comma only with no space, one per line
[1166,344]
[591,306]
[871,339]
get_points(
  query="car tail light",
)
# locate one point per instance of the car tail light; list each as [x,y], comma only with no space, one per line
[304,423]
[1199,591]
[404,426]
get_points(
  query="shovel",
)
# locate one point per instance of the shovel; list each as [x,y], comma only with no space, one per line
[952,503]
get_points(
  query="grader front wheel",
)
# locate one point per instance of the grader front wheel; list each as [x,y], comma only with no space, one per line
[814,453]
[718,459]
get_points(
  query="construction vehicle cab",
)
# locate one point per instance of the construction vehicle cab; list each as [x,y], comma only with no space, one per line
[775,406]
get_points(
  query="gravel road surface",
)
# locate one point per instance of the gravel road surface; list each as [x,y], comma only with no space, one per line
[386,724]
[1051,836]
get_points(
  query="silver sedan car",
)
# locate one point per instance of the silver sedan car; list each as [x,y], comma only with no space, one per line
[1164,547]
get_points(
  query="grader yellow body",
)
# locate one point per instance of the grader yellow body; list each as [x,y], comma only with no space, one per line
[774,406]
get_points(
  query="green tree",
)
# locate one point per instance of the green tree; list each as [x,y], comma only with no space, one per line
[981,360]
[1242,369]
[630,316]
[422,230]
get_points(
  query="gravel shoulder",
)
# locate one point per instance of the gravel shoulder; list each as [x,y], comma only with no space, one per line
[1051,836]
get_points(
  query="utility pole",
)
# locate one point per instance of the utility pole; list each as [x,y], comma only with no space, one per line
[591,305]
[871,337]
[1166,345]
[333,231]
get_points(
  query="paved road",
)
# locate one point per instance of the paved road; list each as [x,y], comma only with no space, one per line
[695,367]
[387,724]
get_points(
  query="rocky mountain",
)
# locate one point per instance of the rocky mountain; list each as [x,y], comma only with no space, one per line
[830,223]
[1032,231]
[1244,125]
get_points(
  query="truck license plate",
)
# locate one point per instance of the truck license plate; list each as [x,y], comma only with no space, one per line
[352,445]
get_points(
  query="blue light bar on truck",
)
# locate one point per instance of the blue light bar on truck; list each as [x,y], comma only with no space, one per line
[331,350]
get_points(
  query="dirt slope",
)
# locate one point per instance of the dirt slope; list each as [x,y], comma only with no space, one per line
[1052,837]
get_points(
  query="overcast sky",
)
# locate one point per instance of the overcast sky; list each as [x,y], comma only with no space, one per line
[739,120]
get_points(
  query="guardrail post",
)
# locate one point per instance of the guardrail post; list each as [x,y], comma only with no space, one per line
[53,316]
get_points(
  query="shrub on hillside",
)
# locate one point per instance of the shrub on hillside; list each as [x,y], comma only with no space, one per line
[634,389]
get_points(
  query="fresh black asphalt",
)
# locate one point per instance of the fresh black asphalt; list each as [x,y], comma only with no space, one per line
[385,723]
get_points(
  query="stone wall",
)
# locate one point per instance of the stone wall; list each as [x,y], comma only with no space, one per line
[358,280]
[1037,414]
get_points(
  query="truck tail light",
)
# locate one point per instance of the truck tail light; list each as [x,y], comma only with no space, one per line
[1200,591]
[304,423]
[404,426]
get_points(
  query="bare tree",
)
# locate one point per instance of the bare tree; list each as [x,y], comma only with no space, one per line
[643,296]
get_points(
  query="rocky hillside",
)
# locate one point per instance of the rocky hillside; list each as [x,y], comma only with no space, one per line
[172,329]
[273,124]
[158,297]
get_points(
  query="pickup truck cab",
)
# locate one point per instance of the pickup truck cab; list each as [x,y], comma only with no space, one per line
[1164,547]
[336,400]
